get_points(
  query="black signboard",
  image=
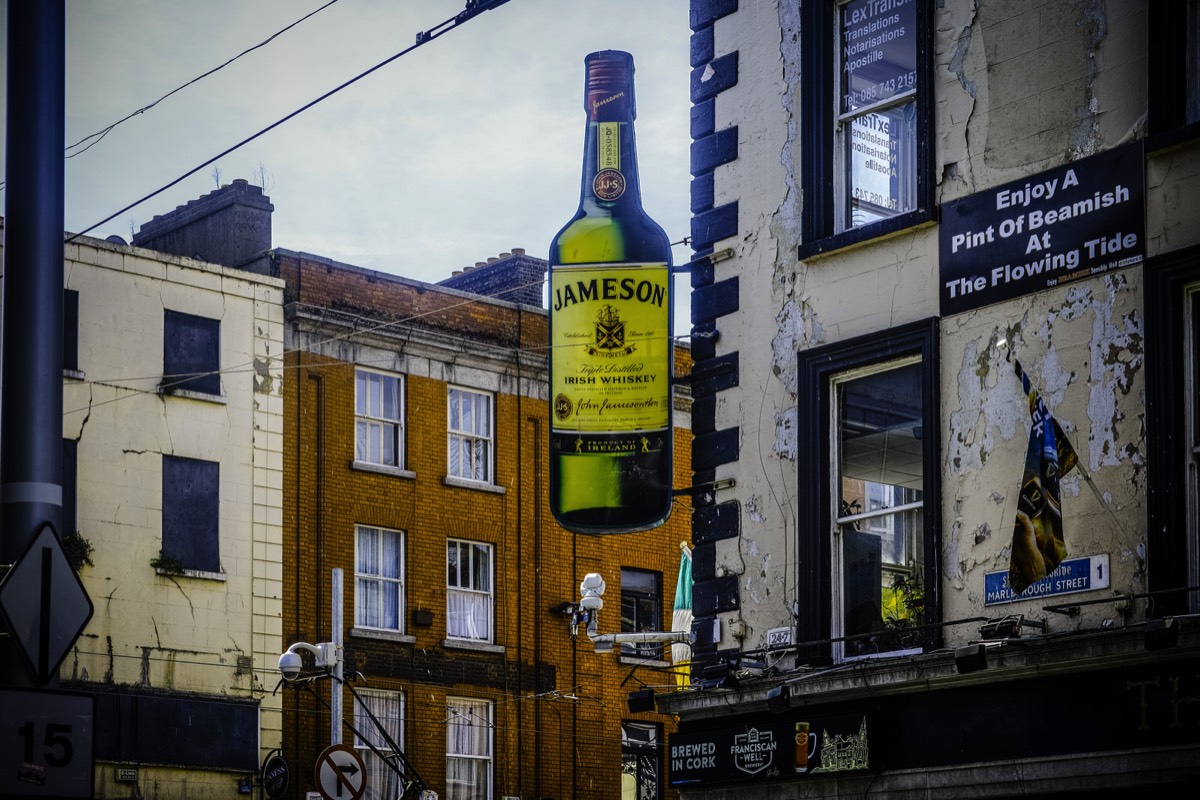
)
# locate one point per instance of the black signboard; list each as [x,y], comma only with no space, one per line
[769,747]
[1081,219]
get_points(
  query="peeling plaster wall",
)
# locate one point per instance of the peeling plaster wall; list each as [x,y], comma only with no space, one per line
[763,557]
[1082,349]
[1018,88]
[207,635]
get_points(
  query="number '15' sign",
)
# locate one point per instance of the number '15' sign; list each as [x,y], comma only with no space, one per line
[46,743]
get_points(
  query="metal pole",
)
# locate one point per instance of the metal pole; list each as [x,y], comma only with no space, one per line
[335,688]
[31,424]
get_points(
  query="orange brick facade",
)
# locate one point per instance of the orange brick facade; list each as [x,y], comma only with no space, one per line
[557,705]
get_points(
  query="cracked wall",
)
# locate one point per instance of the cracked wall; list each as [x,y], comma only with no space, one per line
[1018,88]
[214,633]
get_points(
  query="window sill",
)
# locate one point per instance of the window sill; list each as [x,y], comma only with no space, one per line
[866,234]
[632,660]
[74,374]
[382,469]
[383,635]
[463,483]
[191,394]
[471,644]
[192,573]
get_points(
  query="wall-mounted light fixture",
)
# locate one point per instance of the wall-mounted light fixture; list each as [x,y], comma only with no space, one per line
[641,700]
[971,658]
[779,699]
[1160,634]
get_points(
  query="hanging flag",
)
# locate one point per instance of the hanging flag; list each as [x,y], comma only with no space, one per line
[681,620]
[1038,546]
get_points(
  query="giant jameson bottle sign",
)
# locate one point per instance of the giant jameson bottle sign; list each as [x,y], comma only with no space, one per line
[610,330]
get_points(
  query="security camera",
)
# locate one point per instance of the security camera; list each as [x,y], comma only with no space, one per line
[290,664]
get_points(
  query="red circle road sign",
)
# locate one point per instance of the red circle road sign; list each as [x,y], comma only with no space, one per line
[340,773]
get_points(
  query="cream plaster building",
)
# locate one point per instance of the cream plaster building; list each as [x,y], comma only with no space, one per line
[896,203]
[172,427]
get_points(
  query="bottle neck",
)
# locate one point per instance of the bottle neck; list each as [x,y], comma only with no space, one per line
[610,172]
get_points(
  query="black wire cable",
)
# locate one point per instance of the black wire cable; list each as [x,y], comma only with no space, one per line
[100,134]
[473,9]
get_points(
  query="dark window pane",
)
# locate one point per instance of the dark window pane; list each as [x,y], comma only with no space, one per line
[70,329]
[191,353]
[191,504]
[69,461]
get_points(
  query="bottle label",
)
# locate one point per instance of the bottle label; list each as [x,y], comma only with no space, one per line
[611,357]
[609,183]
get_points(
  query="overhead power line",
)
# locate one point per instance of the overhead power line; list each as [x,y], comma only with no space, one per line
[473,9]
[94,138]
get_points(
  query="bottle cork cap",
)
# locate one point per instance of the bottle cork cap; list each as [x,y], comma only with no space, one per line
[609,84]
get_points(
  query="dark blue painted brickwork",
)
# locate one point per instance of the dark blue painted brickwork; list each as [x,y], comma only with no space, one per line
[714,77]
[716,448]
[705,12]
[711,300]
[720,521]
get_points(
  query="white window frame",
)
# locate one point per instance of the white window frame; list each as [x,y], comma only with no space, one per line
[875,519]
[363,580]
[463,597]
[381,781]
[1191,414]
[843,136]
[464,716]
[372,428]
[470,452]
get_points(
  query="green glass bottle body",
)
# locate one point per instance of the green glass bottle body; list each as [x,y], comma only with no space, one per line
[611,362]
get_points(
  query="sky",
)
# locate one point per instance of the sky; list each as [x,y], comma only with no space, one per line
[466,147]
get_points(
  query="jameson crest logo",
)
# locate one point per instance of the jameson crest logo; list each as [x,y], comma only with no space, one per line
[610,330]
[610,334]
[609,184]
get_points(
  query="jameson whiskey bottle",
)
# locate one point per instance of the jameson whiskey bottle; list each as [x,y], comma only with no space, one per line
[610,331]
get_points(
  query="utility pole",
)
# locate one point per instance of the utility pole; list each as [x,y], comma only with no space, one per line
[31,398]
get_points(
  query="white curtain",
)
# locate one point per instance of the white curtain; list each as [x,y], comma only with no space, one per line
[378,596]
[468,749]
[468,615]
[382,783]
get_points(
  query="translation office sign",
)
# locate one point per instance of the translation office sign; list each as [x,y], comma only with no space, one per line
[1083,218]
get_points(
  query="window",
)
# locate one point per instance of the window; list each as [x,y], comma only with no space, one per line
[866,148]
[1174,63]
[382,782]
[468,749]
[191,353]
[468,590]
[470,435]
[70,474]
[191,503]
[379,419]
[1173,406]
[641,609]
[639,761]
[379,579]
[878,465]
[70,330]
[867,549]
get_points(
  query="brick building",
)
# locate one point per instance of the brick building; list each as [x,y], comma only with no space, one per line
[415,463]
